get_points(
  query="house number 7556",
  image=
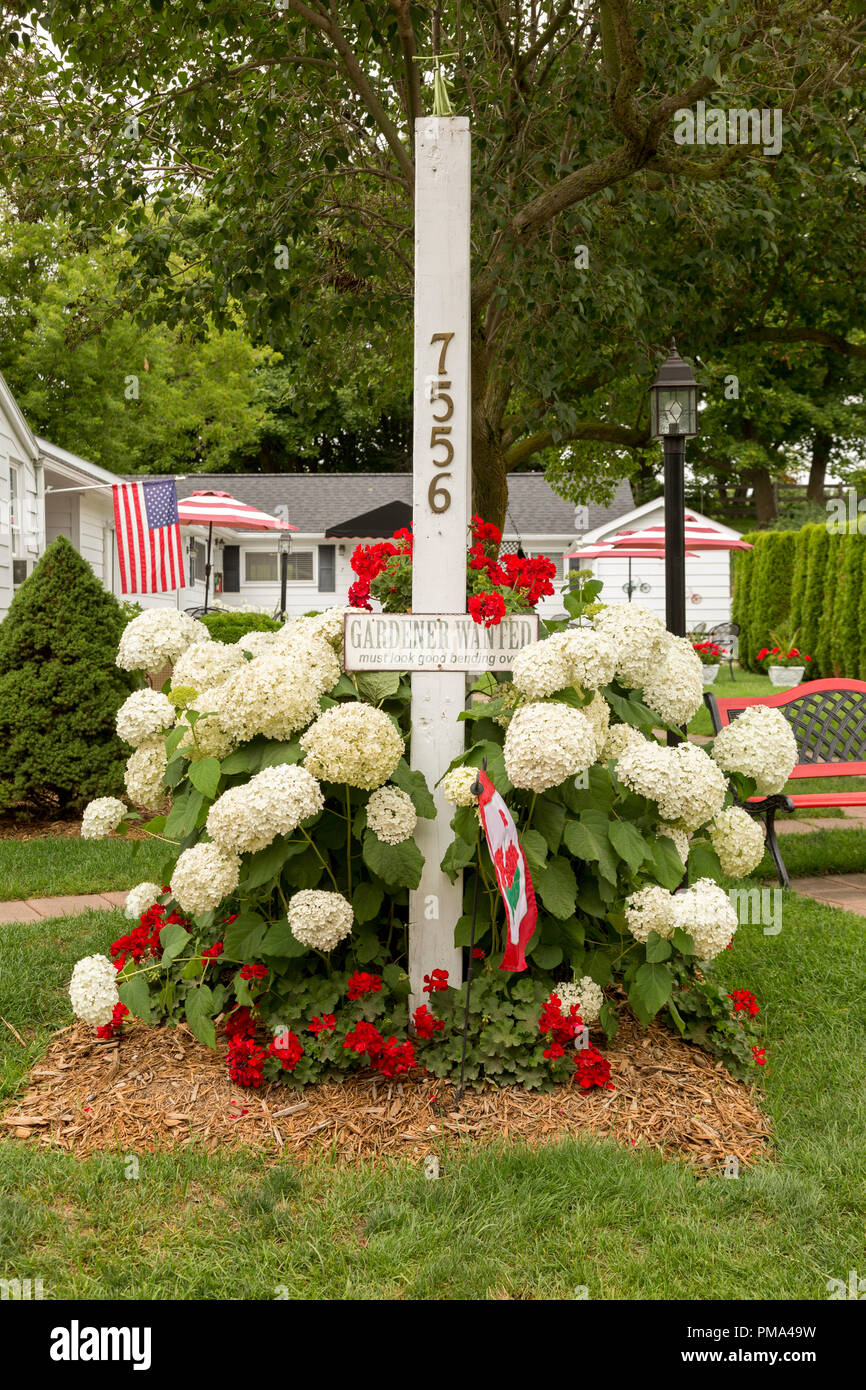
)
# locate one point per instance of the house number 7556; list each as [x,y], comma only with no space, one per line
[438,495]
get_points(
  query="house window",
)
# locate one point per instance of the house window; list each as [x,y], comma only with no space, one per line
[327,569]
[197,561]
[15,510]
[263,567]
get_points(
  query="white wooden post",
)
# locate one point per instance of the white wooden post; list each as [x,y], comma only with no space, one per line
[441,501]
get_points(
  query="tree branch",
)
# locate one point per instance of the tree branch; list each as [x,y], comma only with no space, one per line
[805,335]
[589,429]
[329,27]
[414,100]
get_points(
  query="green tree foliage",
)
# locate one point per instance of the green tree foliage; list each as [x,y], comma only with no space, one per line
[743,562]
[266,159]
[60,688]
[771,601]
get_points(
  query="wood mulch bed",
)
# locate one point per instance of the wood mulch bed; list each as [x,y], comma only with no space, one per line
[159,1088]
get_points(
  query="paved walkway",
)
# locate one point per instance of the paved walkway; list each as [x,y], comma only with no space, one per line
[34,909]
[836,890]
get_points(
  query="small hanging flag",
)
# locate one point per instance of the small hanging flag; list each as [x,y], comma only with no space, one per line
[512,873]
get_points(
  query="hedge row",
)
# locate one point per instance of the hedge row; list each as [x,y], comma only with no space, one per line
[809,581]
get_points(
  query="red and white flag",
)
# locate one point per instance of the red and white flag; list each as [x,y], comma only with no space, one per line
[512,873]
[148,537]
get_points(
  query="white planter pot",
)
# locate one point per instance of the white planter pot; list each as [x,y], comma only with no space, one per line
[710,673]
[786,676]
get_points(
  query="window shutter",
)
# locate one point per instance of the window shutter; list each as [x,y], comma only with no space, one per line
[327,569]
[231,569]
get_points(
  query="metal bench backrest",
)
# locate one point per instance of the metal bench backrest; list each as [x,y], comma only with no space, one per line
[828,718]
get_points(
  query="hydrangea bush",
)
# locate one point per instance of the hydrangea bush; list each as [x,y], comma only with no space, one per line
[280,917]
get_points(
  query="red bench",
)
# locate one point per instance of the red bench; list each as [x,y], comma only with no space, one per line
[829,722]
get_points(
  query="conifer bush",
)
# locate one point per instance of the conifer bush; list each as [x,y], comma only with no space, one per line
[60,688]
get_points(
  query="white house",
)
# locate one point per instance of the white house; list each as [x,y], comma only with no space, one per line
[46,491]
[708,572]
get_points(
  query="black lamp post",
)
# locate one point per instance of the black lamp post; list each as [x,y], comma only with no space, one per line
[674,419]
[284,546]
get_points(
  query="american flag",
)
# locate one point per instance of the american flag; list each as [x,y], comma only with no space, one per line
[148,537]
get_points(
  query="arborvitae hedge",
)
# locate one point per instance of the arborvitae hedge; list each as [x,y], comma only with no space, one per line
[60,688]
[811,581]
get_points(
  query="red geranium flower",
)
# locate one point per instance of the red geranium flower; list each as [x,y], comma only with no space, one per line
[326,1024]
[254,972]
[245,1061]
[212,952]
[487,610]
[477,953]
[240,1023]
[745,1002]
[425,1023]
[364,1037]
[394,1058]
[359,595]
[760,1055]
[592,1069]
[485,531]
[286,1047]
[438,980]
[108,1030]
[362,983]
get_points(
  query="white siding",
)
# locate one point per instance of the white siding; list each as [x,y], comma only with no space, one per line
[28,540]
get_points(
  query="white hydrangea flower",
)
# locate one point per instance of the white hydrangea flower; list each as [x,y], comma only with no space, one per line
[353,743]
[203,876]
[257,643]
[738,840]
[680,838]
[456,786]
[592,656]
[650,909]
[274,802]
[637,635]
[140,898]
[209,739]
[143,715]
[543,667]
[391,815]
[158,636]
[101,816]
[330,626]
[675,689]
[93,990]
[278,693]
[319,919]
[546,743]
[683,781]
[706,913]
[700,787]
[145,769]
[598,714]
[585,993]
[619,738]
[758,743]
[207,664]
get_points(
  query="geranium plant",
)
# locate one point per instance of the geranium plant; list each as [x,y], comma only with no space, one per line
[496,585]
[709,653]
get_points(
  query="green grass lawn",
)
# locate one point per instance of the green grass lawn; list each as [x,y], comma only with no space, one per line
[59,864]
[506,1222]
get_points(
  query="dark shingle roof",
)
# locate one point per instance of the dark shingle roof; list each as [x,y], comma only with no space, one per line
[317,501]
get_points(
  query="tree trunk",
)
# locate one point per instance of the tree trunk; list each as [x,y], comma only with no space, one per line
[764,495]
[822,445]
[489,400]
[489,479]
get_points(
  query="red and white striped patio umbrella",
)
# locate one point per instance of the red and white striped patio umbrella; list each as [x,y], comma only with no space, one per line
[603,550]
[211,508]
[699,536]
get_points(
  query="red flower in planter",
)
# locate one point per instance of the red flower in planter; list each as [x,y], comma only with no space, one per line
[487,610]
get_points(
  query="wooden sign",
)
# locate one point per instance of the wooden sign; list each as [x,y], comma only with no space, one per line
[434,642]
